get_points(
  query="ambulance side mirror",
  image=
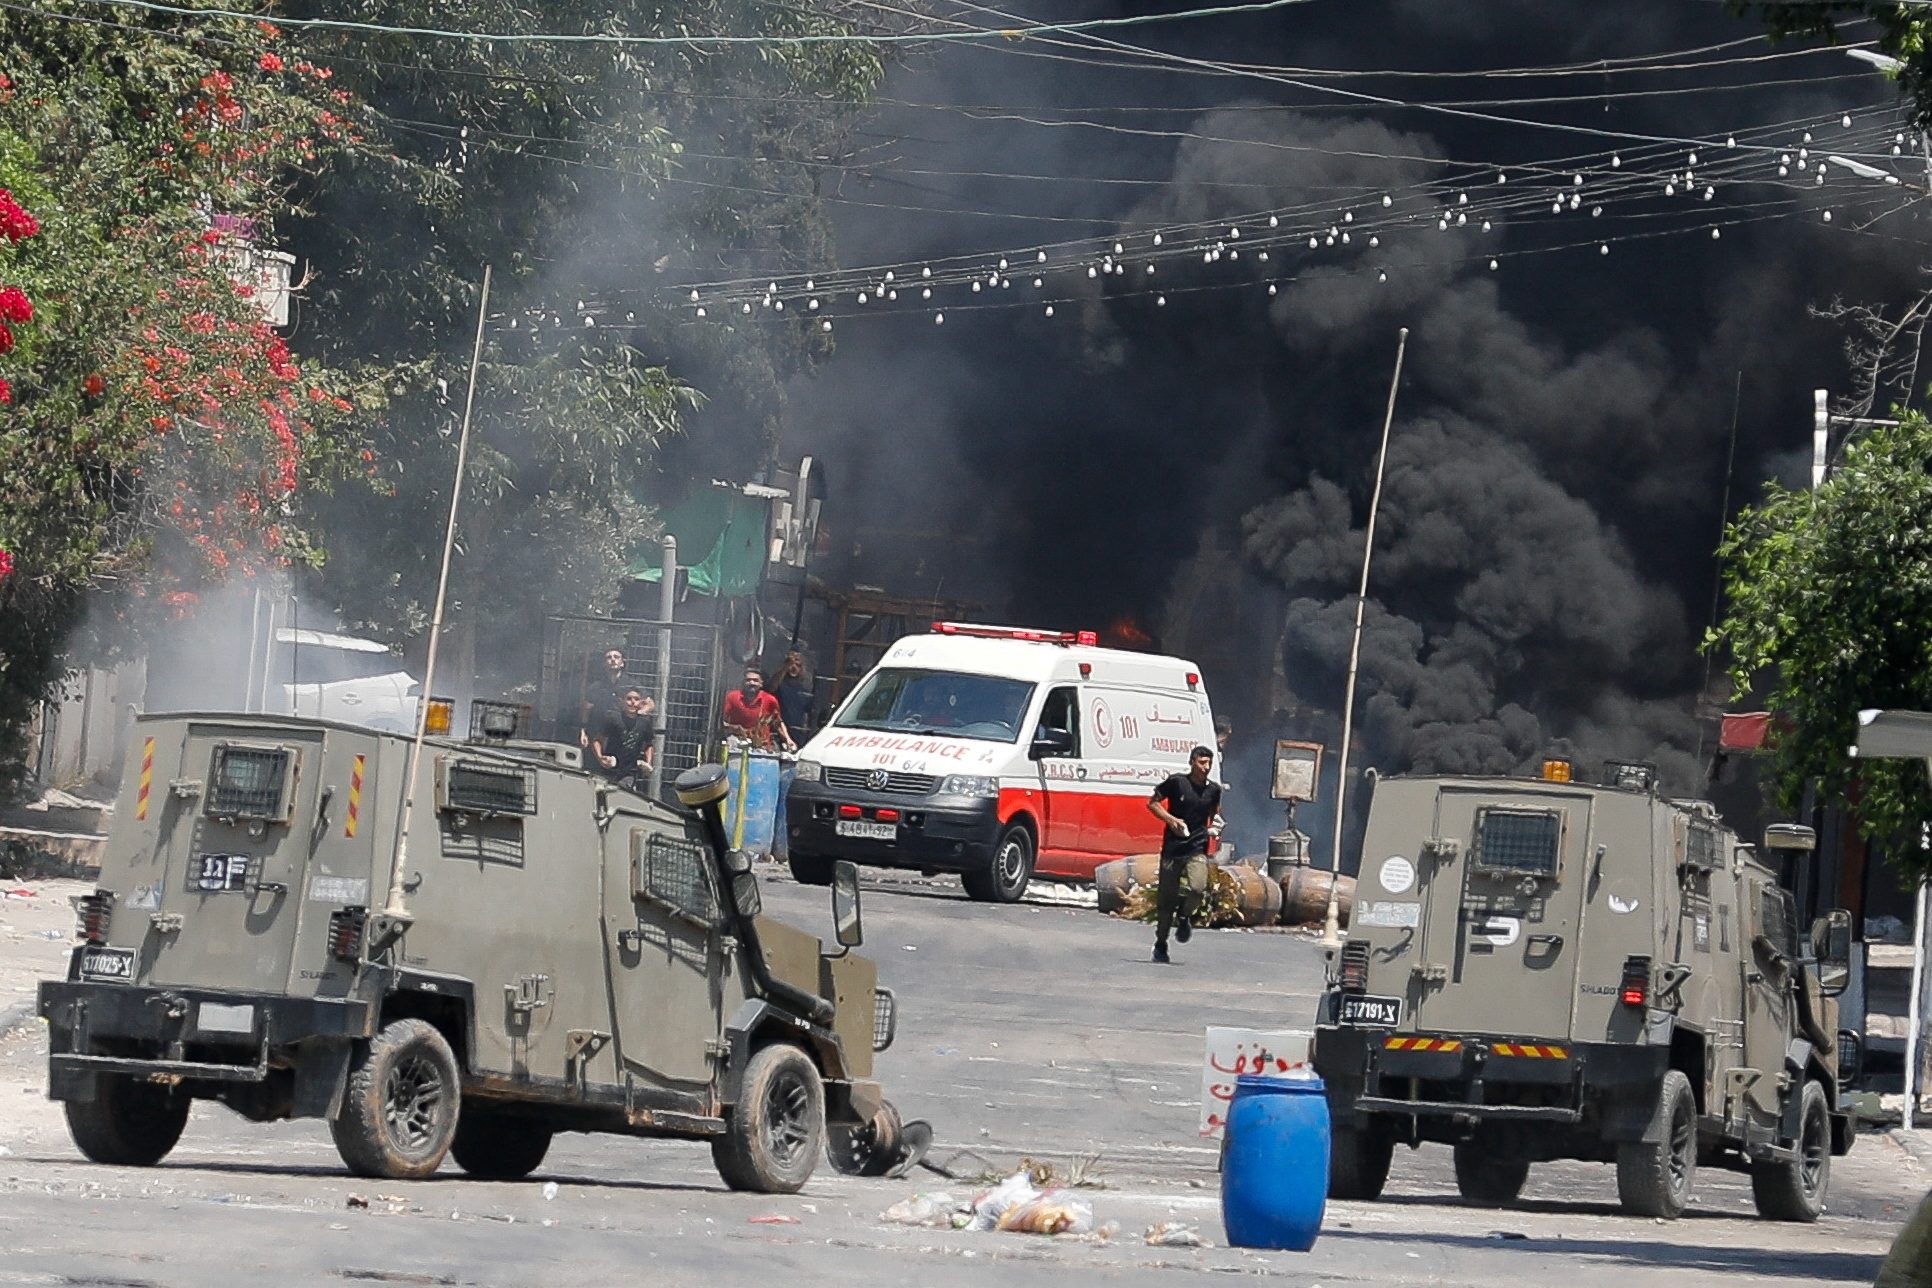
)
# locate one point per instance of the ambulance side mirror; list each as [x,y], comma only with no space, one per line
[847,926]
[1050,742]
[1831,947]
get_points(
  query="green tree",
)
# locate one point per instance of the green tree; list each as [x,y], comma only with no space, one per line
[156,433]
[1830,612]
[1900,31]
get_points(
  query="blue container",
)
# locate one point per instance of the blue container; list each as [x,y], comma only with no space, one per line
[751,810]
[1274,1175]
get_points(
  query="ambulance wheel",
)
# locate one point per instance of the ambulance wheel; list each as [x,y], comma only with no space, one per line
[128,1123]
[1005,877]
[1654,1177]
[399,1112]
[811,869]
[774,1133]
[499,1147]
[1358,1162]
[1794,1190]
[1485,1180]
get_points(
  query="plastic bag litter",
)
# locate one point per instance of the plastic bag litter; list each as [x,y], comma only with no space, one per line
[1053,1212]
[921,1209]
[1173,1234]
[989,1207]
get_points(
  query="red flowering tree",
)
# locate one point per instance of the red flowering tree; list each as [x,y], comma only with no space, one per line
[156,432]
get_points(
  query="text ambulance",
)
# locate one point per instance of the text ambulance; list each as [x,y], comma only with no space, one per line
[996,752]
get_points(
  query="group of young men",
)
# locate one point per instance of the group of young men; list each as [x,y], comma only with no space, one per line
[619,723]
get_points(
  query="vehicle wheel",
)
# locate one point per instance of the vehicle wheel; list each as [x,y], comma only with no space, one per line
[1486,1180]
[1654,1178]
[1005,877]
[498,1146]
[1358,1162]
[774,1133]
[128,1123]
[1795,1190]
[399,1113]
[870,1150]
[811,869]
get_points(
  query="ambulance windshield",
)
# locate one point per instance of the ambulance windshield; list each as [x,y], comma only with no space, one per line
[953,703]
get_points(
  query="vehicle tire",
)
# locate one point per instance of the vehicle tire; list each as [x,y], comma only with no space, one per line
[774,1134]
[1005,876]
[1654,1179]
[128,1123]
[1486,1180]
[1358,1162]
[869,1150]
[400,1110]
[811,869]
[1795,1190]
[498,1146]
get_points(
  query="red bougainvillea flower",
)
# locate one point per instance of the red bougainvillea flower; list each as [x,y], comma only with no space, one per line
[94,385]
[15,306]
[271,62]
[6,565]
[6,393]
[6,338]
[15,223]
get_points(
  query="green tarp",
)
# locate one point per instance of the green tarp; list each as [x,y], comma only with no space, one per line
[721,542]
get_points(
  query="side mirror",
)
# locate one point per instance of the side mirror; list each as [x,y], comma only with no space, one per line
[847,926]
[1831,946]
[745,893]
[1050,742]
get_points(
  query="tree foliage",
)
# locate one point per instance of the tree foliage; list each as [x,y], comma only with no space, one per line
[1830,612]
[1900,31]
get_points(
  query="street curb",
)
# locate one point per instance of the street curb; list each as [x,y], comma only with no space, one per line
[1914,1143]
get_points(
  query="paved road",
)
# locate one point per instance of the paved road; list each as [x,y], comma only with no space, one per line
[1036,1031]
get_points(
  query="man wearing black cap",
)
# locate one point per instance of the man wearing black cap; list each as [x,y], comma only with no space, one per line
[1187,805]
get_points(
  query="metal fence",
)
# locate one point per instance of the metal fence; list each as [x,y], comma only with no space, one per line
[573,664]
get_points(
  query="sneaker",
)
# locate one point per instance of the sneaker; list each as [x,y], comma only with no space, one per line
[1184,931]
[1160,954]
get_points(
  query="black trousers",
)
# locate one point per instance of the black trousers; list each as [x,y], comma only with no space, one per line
[1168,896]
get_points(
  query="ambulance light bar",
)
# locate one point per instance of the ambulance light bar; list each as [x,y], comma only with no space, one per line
[1015,633]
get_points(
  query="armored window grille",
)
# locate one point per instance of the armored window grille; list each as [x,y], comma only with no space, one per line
[1775,921]
[1700,847]
[1519,840]
[672,871]
[485,787]
[249,782]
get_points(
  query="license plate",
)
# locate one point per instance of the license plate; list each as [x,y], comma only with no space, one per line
[221,1017]
[115,964]
[866,830]
[1379,1012]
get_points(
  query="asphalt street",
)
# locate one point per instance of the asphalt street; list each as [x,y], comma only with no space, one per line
[1039,1031]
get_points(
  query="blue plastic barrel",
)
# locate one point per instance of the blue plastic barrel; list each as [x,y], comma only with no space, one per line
[1274,1175]
[751,810]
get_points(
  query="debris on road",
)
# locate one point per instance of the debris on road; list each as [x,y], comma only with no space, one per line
[773,1219]
[1173,1234]
[549,1190]
[1051,1212]
[922,1209]
[358,1201]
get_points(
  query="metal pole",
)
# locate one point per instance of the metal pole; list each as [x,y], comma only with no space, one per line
[1915,1010]
[1820,436]
[254,638]
[397,907]
[1331,923]
[667,603]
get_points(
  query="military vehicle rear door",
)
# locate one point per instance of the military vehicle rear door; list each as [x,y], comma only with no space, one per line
[236,857]
[664,923]
[1499,943]
[1767,961]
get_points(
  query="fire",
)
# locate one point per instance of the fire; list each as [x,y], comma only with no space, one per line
[1125,632]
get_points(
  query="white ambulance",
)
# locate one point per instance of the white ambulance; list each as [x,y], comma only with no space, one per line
[996,752]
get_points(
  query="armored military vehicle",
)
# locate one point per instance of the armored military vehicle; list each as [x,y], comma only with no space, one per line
[1544,969]
[572,956]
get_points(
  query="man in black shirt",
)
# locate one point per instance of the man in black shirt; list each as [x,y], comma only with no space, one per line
[627,739]
[1187,805]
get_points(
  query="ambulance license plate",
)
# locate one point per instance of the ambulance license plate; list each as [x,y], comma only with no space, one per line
[1379,1012]
[867,830]
[115,964]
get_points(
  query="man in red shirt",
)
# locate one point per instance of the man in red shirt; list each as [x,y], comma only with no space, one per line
[752,714]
